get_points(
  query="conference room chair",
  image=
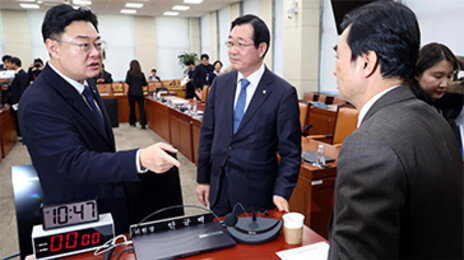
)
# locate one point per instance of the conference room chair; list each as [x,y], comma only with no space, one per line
[345,124]
[305,106]
[310,96]
[204,94]
[338,101]
[322,98]
[118,88]
[104,89]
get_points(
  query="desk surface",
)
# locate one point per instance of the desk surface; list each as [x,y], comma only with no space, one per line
[240,251]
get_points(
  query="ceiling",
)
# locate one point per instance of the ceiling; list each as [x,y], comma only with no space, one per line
[150,7]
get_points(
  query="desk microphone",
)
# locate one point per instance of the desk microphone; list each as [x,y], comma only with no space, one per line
[252,230]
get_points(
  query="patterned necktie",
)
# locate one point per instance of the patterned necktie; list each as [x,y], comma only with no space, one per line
[240,106]
[89,97]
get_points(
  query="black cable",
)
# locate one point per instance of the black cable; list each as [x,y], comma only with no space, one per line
[11,256]
[109,253]
[174,207]
[123,251]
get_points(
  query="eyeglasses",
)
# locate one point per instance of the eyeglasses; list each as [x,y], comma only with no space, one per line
[239,45]
[87,47]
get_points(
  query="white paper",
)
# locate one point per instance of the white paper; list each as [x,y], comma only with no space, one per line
[318,251]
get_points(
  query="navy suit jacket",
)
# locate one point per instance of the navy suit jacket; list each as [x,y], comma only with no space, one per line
[74,157]
[269,125]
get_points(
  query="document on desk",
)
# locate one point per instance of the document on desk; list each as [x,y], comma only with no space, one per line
[317,251]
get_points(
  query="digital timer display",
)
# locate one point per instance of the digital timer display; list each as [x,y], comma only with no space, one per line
[60,242]
[69,214]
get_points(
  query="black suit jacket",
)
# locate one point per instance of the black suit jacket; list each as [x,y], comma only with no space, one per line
[269,125]
[399,188]
[74,157]
[136,84]
[199,76]
[18,85]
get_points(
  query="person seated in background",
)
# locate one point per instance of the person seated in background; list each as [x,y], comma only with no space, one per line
[190,89]
[104,76]
[153,77]
[35,69]
[217,65]
[436,68]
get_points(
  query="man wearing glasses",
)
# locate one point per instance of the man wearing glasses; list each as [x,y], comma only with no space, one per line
[250,115]
[66,128]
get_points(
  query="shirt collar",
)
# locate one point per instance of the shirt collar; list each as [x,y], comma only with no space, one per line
[18,70]
[76,84]
[254,78]
[371,102]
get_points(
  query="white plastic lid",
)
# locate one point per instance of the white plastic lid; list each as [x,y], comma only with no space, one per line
[293,220]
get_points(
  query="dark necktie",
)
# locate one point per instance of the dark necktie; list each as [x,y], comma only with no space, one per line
[89,97]
[240,106]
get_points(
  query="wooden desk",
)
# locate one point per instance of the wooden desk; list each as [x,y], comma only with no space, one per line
[174,126]
[313,195]
[8,134]
[240,251]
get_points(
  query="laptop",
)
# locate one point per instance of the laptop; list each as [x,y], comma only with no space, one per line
[179,237]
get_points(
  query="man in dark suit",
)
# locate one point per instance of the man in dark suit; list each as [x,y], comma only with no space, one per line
[399,187]
[250,115]
[19,83]
[200,73]
[66,128]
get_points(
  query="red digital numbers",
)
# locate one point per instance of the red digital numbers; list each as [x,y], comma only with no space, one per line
[95,238]
[85,241]
[53,246]
[72,239]
[69,238]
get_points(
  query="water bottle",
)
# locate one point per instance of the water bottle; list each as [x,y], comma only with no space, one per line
[320,159]
[194,106]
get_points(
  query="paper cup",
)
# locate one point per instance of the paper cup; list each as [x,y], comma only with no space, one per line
[293,228]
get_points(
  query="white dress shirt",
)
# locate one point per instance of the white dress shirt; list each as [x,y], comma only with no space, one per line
[371,102]
[254,80]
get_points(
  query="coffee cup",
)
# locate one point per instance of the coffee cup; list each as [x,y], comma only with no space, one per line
[293,228]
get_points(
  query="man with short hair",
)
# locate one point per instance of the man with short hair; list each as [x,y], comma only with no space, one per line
[5,60]
[200,73]
[67,130]
[399,186]
[250,115]
[20,81]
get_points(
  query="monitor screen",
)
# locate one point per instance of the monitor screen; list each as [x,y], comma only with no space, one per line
[341,7]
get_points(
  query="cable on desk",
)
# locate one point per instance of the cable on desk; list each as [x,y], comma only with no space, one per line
[123,251]
[11,256]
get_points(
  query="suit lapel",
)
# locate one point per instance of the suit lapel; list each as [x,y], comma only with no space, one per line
[75,100]
[229,91]
[109,132]
[262,92]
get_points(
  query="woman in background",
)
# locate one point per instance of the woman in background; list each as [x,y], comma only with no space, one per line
[136,80]
[436,68]
[217,65]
